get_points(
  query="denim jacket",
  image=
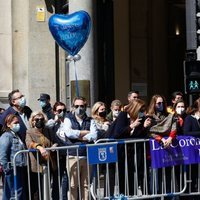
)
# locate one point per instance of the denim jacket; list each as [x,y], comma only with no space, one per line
[10,144]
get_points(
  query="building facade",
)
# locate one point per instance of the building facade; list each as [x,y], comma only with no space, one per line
[133,45]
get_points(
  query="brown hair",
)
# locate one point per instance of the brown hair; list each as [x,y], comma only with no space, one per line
[194,108]
[8,120]
[152,105]
[134,107]
[177,102]
[58,103]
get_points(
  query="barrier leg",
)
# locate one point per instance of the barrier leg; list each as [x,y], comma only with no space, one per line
[45,183]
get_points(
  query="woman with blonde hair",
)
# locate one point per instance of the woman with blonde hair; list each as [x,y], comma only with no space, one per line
[40,137]
[98,113]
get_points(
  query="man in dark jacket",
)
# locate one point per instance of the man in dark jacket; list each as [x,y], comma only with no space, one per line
[46,105]
[79,129]
[18,107]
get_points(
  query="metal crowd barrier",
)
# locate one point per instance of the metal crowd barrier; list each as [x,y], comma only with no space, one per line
[118,169]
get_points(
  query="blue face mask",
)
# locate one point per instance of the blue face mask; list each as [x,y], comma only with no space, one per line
[22,102]
[43,104]
[159,108]
[15,128]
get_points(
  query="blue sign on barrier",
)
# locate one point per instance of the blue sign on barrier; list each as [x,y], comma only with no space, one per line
[102,154]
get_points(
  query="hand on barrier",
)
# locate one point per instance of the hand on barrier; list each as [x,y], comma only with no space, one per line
[163,142]
[43,152]
[54,145]
[168,142]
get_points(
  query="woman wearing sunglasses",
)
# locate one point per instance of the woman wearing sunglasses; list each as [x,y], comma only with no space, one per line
[163,127]
[40,137]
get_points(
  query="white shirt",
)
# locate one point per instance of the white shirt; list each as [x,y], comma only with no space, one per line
[25,120]
[75,134]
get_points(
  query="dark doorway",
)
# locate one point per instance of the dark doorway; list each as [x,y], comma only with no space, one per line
[105,51]
[176,44]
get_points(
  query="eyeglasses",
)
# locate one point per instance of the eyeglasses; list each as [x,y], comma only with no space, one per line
[159,103]
[38,119]
[81,106]
[61,110]
[18,97]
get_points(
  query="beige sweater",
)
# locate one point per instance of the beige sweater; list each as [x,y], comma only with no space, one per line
[45,139]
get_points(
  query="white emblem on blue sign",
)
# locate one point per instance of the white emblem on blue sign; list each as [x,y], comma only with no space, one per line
[102,154]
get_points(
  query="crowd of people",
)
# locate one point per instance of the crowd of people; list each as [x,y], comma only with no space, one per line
[54,126]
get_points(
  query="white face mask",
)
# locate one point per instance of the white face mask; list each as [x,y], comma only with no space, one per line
[115,113]
[180,111]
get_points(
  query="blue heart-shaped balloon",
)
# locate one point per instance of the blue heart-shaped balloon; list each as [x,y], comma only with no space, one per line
[70,31]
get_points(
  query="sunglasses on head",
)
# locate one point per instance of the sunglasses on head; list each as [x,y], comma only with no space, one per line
[81,106]
[61,110]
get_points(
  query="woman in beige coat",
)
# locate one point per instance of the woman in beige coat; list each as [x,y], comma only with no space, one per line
[40,137]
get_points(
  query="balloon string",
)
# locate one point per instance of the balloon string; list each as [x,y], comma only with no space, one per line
[76,83]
